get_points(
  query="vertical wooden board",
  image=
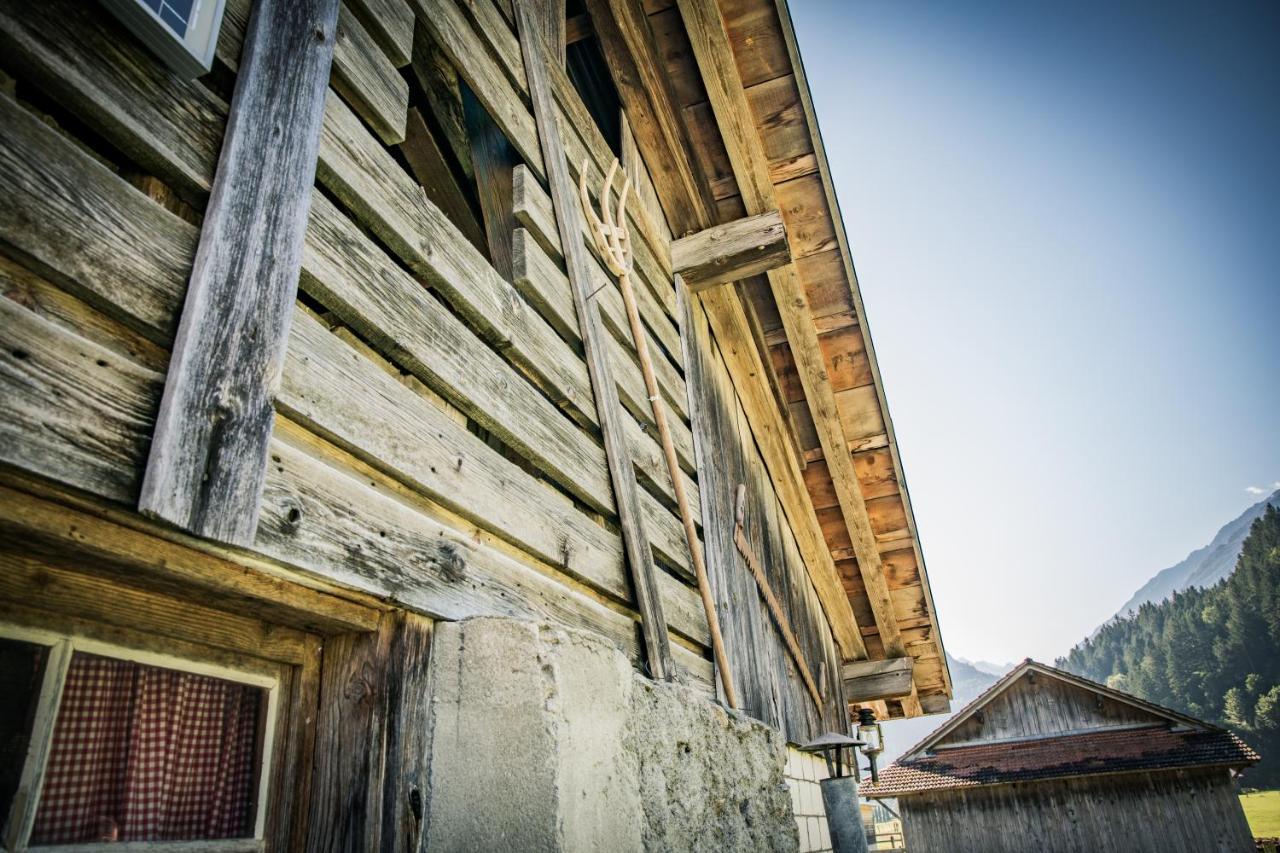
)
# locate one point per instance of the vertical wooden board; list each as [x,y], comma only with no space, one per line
[438,80]
[431,167]
[350,760]
[637,548]
[493,159]
[408,710]
[292,801]
[208,453]
[762,631]
[714,478]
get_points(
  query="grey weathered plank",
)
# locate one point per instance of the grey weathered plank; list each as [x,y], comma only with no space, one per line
[405,777]
[367,79]
[369,292]
[636,542]
[390,23]
[51,383]
[867,680]
[136,273]
[80,413]
[116,249]
[90,64]
[208,453]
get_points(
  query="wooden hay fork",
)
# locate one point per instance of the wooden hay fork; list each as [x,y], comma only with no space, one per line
[613,241]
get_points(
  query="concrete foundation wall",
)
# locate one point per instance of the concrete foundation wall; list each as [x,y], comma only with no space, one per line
[545,739]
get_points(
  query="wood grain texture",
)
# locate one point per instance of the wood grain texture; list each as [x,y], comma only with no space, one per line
[390,24]
[208,452]
[91,451]
[368,80]
[636,543]
[731,251]
[1139,812]
[867,680]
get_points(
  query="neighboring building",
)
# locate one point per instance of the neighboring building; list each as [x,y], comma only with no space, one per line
[323,430]
[1047,761]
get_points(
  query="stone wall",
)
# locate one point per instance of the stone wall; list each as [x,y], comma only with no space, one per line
[544,738]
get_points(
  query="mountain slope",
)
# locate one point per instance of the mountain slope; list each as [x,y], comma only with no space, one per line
[1203,567]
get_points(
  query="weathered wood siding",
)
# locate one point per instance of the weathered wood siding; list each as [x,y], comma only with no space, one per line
[1045,707]
[436,441]
[769,687]
[1156,812]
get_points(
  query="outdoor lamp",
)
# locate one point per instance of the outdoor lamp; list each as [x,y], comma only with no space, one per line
[872,739]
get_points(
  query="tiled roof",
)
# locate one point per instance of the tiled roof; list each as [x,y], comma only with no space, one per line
[1114,751]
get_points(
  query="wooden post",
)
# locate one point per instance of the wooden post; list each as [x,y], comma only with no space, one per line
[564,199]
[731,252]
[208,454]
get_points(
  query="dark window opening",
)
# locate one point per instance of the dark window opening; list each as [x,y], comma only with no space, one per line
[589,73]
[21,674]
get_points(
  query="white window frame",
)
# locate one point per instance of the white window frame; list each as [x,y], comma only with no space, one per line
[26,800]
[189,56]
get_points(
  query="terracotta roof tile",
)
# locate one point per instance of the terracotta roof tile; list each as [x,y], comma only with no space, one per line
[1119,750]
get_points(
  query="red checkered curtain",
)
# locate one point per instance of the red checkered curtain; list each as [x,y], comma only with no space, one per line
[142,753]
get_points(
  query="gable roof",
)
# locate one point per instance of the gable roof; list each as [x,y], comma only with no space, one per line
[1088,754]
[1016,674]
[1181,741]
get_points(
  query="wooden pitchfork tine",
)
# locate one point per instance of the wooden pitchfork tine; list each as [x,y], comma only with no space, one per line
[613,241]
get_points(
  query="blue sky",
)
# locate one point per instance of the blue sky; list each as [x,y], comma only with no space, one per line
[1066,224]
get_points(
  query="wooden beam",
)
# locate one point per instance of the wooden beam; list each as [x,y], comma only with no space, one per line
[714,54]
[565,200]
[75,537]
[660,132]
[936,703]
[431,167]
[869,680]
[208,454]
[578,28]
[732,251]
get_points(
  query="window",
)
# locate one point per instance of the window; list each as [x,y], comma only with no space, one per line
[101,744]
[183,33]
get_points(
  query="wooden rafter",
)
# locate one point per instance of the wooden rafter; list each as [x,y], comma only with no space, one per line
[720,74]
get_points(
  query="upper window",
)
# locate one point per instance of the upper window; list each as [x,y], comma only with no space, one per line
[102,744]
[183,33]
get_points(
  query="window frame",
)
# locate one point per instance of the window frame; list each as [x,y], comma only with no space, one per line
[20,821]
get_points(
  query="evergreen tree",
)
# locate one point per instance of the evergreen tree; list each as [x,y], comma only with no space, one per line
[1213,653]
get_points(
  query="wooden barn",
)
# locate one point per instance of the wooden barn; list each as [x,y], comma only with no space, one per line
[1046,760]
[344,401]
